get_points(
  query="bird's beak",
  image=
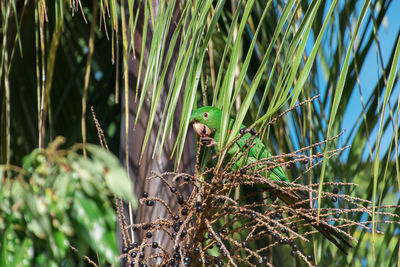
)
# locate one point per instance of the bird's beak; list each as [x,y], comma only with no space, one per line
[201,129]
[204,132]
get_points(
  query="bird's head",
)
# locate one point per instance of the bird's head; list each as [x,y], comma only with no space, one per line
[205,121]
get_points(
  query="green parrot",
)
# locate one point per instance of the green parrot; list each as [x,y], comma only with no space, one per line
[206,123]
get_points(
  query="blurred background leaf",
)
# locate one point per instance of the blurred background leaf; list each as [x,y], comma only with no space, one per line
[57,208]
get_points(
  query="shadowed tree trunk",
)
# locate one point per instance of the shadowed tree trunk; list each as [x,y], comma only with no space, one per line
[139,171]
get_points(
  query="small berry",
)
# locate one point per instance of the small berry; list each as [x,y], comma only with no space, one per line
[187,246]
[184,212]
[253,215]
[149,202]
[218,244]
[290,213]
[154,245]
[288,166]
[246,145]
[141,255]
[275,236]
[314,214]
[272,216]
[196,250]
[134,228]
[176,217]
[295,229]
[223,231]
[244,244]
[335,190]
[293,224]
[199,208]
[309,257]
[265,258]
[180,198]
[305,161]
[177,255]
[149,234]
[333,199]
[145,194]
[133,254]
[242,171]
[294,247]
[176,227]
[183,233]
[210,235]
[186,178]
[278,215]
[242,131]
[124,249]
[173,189]
[146,226]
[136,244]
[293,253]
[227,208]
[252,131]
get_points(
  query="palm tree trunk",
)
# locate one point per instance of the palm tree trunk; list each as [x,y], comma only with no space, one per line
[139,171]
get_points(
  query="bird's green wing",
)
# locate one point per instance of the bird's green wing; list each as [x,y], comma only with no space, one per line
[254,150]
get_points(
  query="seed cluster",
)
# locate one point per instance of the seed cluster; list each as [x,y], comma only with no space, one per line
[214,228]
[234,218]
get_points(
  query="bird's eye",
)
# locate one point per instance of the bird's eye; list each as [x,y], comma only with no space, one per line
[205,115]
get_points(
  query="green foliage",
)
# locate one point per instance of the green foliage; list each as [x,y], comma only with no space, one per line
[57,209]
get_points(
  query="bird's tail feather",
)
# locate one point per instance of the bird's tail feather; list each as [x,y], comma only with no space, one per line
[290,198]
[332,235]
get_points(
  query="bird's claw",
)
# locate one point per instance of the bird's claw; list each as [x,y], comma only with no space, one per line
[208,141]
